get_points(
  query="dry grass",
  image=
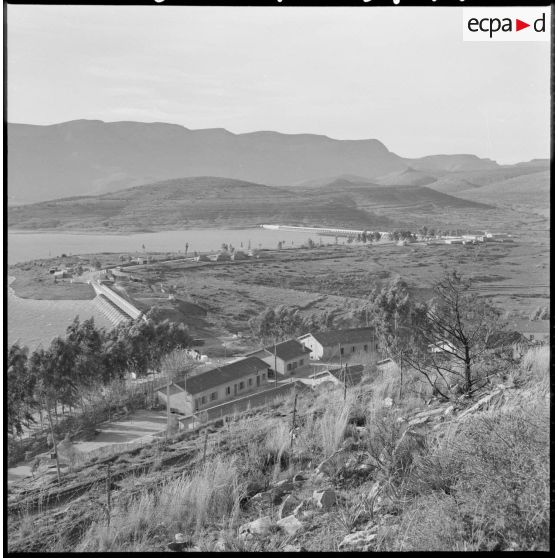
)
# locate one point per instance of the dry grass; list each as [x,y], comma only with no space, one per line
[185,505]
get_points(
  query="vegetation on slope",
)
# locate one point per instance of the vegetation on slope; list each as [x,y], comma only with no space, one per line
[193,202]
[406,474]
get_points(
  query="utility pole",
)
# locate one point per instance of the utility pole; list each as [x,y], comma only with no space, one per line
[275,353]
[400,372]
[107,486]
[185,392]
[205,445]
[168,409]
[294,415]
[53,441]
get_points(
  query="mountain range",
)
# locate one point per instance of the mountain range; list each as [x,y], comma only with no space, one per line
[85,157]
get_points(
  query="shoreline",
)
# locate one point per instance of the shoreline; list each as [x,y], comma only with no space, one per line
[104,232]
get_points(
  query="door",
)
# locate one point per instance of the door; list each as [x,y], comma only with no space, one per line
[257,381]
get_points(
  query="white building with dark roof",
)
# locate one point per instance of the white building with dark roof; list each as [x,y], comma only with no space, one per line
[286,357]
[217,385]
[344,343]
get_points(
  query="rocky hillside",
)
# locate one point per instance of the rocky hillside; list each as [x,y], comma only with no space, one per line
[371,473]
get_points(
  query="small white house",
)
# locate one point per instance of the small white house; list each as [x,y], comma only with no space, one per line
[344,343]
[286,357]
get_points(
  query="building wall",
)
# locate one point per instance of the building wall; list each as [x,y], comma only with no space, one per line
[177,401]
[314,345]
[347,350]
[225,392]
[289,367]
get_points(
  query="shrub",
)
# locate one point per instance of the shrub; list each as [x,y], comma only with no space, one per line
[485,486]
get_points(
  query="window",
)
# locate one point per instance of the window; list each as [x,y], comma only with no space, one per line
[342,350]
[294,365]
[289,366]
[203,400]
[228,390]
[197,403]
[353,348]
[249,381]
[365,348]
[241,386]
[301,361]
[214,396]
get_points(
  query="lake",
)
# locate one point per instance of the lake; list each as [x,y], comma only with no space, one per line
[35,322]
[24,246]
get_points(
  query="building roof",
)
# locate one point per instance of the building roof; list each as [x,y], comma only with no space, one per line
[223,375]
[287,350]
[343,336]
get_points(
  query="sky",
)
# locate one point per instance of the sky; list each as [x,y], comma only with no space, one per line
[401,75]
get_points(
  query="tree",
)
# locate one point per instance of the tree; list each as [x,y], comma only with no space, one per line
[377,236]
[277,323]
[449,344]
[19,390]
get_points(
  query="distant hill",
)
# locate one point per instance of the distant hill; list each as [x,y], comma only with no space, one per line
[89,157]
[530,192]
[193,202]
[452,163]
[456,182]
[376,197]
[408,177]
[214,201]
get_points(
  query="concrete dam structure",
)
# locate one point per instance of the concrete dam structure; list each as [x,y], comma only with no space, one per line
[116,308]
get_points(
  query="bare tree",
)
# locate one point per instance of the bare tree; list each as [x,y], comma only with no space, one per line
[449,341]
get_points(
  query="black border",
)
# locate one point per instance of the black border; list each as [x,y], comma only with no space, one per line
[293,4]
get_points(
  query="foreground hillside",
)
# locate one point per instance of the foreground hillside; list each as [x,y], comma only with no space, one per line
[213,201]
[372,472]
[84,157]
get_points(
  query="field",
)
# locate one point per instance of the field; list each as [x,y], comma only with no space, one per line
[514,276]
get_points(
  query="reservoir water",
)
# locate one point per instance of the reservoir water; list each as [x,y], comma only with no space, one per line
[24,246]
[37,322]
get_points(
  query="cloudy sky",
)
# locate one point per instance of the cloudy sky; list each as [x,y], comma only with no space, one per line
[401,75]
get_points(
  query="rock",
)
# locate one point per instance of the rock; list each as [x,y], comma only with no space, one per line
[261,526]
[257,498]
[449,410]
[293,548]
[361,541]
[300,477]
[301,508]
[288,506]
[220,546]
[365,469]
[322,467]
[324,499]
[388,402]
[286,485]
[253,488]
[290,524]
